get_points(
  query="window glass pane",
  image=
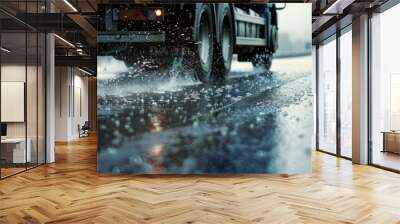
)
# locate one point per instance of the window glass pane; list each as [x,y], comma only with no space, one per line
[14,153]
[327,96]
[22,87]
[314,90]
[31,97]
[32,83]
[346,93]
[386,89]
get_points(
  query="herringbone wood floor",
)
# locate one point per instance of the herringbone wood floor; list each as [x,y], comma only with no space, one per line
[70,191]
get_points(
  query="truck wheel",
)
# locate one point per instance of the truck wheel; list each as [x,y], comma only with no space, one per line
[203,48]
[224,50]
[262,61]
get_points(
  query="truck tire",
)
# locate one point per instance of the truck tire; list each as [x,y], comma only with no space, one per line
[201,57]
[224,50]
[263,61]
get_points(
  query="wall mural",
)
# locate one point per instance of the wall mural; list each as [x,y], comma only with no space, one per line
[204,88]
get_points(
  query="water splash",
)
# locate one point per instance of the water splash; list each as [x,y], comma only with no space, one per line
[137,79]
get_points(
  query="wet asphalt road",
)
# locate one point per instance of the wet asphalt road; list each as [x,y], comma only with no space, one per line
[165,122]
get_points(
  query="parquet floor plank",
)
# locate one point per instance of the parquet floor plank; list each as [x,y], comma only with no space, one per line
[70,191]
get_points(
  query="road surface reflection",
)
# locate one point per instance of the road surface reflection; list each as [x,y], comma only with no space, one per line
[165,122]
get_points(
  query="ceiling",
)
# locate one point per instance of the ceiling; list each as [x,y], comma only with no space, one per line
[75,20]
[330,15]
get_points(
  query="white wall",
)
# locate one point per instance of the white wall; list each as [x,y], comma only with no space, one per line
[33,126]
[71,94]
[16,73]
[81,83]
[61,103]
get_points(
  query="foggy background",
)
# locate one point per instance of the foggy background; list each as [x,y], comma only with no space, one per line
[294,34]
